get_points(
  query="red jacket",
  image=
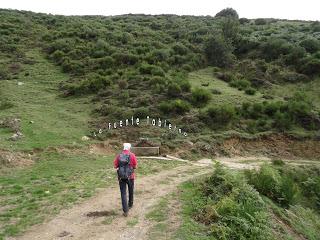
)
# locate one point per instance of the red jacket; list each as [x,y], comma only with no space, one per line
[133,161]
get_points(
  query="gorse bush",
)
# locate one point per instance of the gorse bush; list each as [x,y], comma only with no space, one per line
[296,111]
[287,185]
[174,107]
[312,45]
[260,21]
[219,117]
[200,96]
[232,208]
[269,182]
[250,91]
[241,84]
[174,89]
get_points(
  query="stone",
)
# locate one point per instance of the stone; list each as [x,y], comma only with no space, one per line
[16,136]
[85,138]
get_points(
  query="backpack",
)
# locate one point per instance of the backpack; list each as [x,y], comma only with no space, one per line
[125,170]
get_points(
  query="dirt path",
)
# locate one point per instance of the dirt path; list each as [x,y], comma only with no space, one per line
[75,223]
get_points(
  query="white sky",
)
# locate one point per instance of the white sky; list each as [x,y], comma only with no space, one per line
[304,10]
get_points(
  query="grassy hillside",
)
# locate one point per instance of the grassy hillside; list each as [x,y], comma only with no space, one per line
[46,118]
[207,70]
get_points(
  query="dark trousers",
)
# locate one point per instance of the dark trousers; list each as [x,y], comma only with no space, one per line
[123,189]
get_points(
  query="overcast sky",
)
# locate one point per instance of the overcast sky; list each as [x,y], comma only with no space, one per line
[306,9]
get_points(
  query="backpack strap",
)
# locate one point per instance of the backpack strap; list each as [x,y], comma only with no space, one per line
[129,159]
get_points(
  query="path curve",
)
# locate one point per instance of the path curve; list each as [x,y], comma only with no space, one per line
[74,223]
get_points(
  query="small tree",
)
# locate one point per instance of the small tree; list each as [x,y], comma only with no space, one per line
[230,28]
[219,52]
[228,12]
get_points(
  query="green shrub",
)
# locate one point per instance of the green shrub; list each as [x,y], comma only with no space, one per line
[282,121]
[269,182]
[260,21]
[123,84]
[295,55]
[219,116]
[125,58]
[57,56]
[228,12]
[114,112]
[293,77]
[273,48]
[185,85]
[241,84]
[244,20]
[218,51]
[310,66]
[105,62]
[311,45]
[315,26]
[5,104]
[278,162]
[180,49]
[4,73]
[174,107]
[311,189]
[250,91]
[225,76]
[157,71]
[91,84]
[200,96]
[216,91]
[174,89]
[157,80]
[228,205]
[141,112]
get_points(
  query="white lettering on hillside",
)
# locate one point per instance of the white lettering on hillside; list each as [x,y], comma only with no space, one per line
[136,122]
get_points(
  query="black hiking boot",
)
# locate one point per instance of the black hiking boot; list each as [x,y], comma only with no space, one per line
[125,214]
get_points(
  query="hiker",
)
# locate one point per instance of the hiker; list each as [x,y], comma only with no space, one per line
[125,163]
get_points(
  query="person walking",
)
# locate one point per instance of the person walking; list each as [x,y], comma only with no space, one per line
[126,163]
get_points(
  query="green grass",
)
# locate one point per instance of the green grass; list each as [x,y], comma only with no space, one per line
[57,120]
[229,95]
[301,220]
[159,212]
[160,216]
[57,180]
[153,166]
[108,220]
[288,90]
[132,222]
[190,229]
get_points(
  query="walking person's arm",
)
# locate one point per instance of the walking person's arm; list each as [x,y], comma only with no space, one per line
[134,161]
[116,162]
[116,165]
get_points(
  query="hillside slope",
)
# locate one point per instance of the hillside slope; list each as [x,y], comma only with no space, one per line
[46,119]
[139,65]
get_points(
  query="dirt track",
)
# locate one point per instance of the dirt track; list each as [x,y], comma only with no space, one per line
[75,223]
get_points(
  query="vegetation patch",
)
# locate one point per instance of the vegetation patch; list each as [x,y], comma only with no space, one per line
[231,205]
